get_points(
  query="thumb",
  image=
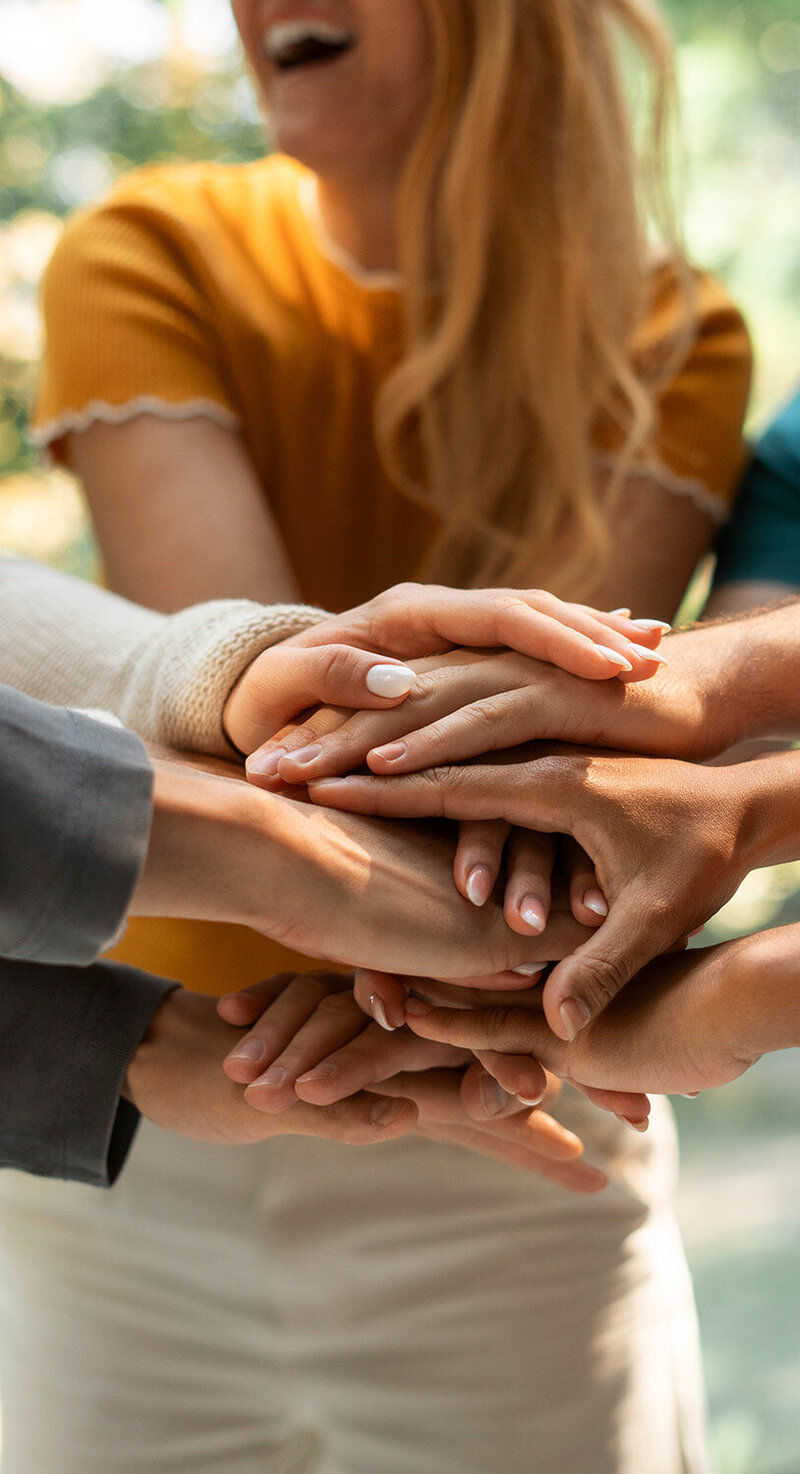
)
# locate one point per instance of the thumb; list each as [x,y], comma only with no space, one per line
[580,987]
[285,680]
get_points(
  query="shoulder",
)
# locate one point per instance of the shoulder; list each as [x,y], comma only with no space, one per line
[175,207]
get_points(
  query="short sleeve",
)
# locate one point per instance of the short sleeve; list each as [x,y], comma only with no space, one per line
[762,541]
[698,448]
[128,319]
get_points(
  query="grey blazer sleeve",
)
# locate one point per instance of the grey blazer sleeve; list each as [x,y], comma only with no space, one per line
[75,807]
[67,1035]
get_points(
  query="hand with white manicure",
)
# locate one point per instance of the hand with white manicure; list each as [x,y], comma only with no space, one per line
[286,680]
[310,1043]
[670,842]
[334,739]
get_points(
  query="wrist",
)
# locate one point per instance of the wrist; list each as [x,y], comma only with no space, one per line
[200,862]
[769,823]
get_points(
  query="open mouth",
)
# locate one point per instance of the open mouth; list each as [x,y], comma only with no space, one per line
[290,44]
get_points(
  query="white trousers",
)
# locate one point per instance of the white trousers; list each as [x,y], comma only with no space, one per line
[304,1308]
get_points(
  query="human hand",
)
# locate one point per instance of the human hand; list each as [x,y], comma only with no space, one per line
[496,1076]
[693,1021]
[177,1081]
[669,841]
[331,741]
[326,1049]
[330,885]
[706,699]
[414,619]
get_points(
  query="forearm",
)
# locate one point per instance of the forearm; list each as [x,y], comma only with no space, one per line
[166,676]
[764,992]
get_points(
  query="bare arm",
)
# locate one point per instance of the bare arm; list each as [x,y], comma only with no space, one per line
[179,513]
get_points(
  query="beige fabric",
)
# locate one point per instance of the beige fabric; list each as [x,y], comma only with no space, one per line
[166,676]
[306,1308]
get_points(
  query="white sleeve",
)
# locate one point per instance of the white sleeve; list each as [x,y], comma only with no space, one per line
[166,676]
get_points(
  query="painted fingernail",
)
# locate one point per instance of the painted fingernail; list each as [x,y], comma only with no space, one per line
[645,654]
[626,613]
[640,1126]
[265,764]
[378,1012]
[390,680]
[595,901]
[417,1008]
[384,1112]
[690,1094]
[574,1016]
[494,1098]
[479,885]
[533,913]
[529,1101]
[530,969]
[652,624]
[274,1076]
[305,754]
[249,1050]
[614,657]
[391,753]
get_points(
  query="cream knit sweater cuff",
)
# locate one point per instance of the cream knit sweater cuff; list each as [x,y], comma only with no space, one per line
[166,676]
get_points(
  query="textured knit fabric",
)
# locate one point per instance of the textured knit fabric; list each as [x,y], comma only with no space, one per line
[203,289]
[166,676]
[762,540]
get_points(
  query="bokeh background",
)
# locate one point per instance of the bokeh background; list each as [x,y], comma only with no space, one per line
[91,88]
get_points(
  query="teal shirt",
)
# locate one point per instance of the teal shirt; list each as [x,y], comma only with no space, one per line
[762,539]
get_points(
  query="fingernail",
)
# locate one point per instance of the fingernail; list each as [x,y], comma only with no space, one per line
[640,1126]
[384,1112]
[626,613]
[595,901]
[479,885]
[645,654]
[690,1094]
[530,969]
[327,782]
[319,1072]
[574,1016]
[417,1008]
[391,752]
[305,754]
[265,764]
[652,624]
[275,1075]
[494,1098]
[390,680]
[618,660]
[526,1101]
[533,913]
[378,1012]
[249,1049]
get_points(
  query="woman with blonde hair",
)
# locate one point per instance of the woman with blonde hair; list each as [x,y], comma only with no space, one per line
[426,339]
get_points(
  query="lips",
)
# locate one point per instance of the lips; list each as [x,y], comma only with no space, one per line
[308,42]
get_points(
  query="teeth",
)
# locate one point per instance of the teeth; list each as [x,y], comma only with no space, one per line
[281,40]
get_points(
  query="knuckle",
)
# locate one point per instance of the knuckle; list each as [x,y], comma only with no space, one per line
[603,978]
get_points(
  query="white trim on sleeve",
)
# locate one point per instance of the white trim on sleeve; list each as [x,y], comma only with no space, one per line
[100,411]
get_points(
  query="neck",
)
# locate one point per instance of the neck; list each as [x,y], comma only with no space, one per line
[360,219]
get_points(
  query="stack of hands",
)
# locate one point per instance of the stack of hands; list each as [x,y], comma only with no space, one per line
[543,937]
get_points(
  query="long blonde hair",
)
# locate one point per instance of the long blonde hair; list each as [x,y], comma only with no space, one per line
[523,248]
